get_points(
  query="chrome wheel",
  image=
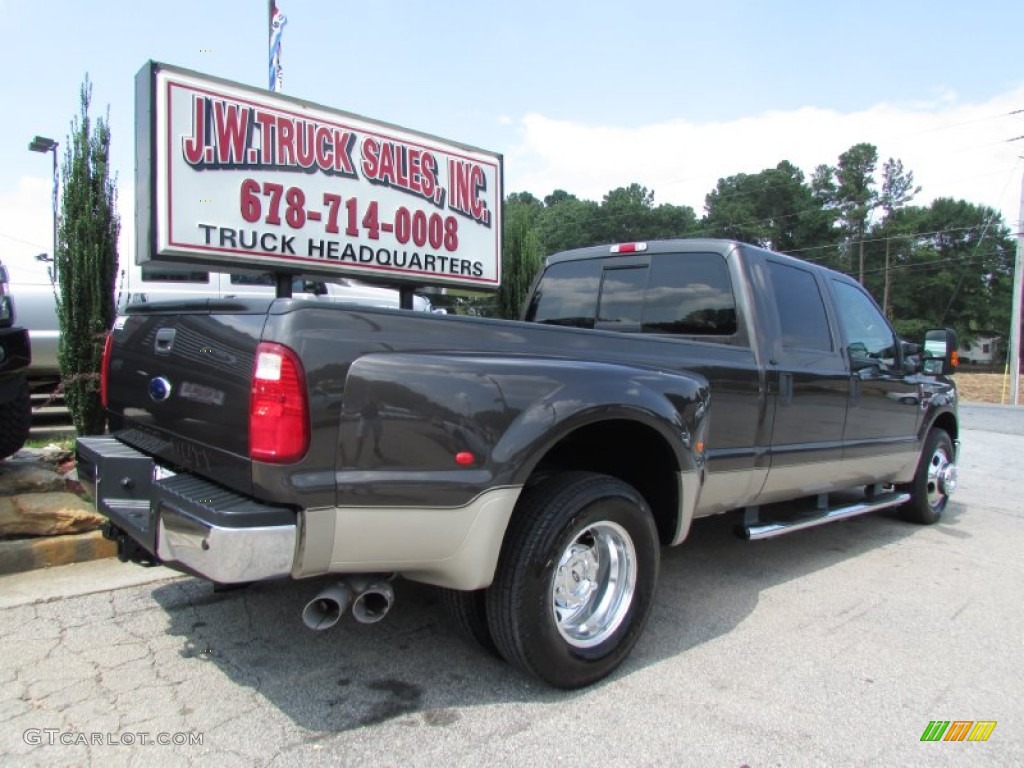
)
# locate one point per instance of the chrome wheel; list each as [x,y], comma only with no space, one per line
[575,581]
[942,477]
[934,480]
[593,584]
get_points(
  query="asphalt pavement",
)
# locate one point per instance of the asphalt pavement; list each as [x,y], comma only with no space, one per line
[832,646]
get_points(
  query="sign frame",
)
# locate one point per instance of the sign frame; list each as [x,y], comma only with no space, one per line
[241,179]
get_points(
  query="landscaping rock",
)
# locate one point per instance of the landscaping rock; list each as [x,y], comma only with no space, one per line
[46,514]
[28,477]
[28,554]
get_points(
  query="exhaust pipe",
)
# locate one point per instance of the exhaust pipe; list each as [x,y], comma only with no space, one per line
[370,597]
[373,603]
[324,610]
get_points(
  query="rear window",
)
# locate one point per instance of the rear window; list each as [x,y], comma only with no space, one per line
[687,294]
[567,294]
[690,295]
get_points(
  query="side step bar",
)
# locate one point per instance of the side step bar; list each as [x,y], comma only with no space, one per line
[755,530]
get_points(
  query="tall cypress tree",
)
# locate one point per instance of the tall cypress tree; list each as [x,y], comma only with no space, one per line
[86,262]
[520,260]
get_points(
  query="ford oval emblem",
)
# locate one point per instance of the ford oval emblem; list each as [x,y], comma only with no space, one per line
[159,389]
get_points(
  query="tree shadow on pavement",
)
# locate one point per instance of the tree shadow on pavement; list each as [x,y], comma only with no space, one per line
[415,665]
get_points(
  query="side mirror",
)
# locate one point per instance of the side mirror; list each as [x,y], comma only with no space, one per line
[940,352]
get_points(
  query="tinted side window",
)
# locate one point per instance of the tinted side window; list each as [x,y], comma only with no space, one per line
[242,279]
[173,275]
[690,294]
[800,308]
[868,336]
[622,295]
[567,294]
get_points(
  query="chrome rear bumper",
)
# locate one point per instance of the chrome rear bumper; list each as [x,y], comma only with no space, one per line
[184,521]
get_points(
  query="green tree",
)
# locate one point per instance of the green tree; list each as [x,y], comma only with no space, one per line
[628,214]
[86,262]
[897,190]
[773,209]
[520,255]
[855,197]
[567,222]
[954,268]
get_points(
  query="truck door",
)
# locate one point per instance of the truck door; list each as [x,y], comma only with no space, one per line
[810,381]
[884,409]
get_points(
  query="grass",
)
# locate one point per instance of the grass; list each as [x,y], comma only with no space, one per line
[65,443]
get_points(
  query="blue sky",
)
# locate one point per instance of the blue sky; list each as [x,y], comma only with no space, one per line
[582,96]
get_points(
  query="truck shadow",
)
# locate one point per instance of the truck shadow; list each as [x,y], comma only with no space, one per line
[416,667]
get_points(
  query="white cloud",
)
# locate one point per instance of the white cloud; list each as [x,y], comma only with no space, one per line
[954,149]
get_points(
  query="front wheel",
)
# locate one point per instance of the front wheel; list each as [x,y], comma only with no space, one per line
[575,580]
[934,481]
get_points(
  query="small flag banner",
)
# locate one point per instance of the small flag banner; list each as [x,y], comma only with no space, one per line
[277,22]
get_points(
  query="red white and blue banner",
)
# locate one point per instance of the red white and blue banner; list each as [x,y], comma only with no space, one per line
[277,22]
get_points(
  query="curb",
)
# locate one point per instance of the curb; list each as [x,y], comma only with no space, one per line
[29,554]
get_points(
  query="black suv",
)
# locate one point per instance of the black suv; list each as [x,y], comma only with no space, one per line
[15,356]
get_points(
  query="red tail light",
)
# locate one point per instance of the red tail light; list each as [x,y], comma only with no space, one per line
[108,343]
[278,409]
[629,248]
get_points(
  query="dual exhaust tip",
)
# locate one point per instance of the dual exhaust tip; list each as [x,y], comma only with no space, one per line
[369,597]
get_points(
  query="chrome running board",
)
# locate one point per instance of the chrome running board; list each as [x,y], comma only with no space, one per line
[770,529]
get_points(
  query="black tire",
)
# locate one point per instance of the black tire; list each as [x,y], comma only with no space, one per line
[565,534]
[468,611]
[934,480]
[15,421]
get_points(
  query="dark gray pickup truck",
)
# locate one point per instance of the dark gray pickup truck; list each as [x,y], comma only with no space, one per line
[532,469]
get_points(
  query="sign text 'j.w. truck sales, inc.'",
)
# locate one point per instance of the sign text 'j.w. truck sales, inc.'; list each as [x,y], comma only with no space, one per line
[231,175]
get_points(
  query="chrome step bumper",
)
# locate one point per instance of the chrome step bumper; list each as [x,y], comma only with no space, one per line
[184,521]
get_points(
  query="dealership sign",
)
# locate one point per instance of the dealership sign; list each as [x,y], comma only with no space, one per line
[234,176]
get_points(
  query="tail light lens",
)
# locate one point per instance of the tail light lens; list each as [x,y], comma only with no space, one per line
[108,343]
[278,408]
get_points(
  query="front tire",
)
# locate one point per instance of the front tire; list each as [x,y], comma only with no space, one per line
[575,581]
[934,481]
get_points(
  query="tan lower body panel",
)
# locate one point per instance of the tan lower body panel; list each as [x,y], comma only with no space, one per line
[454,547]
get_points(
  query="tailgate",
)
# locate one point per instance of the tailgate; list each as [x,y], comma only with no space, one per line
[179,381]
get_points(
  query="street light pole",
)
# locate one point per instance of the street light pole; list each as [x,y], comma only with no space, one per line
[1018,266]
[43,144]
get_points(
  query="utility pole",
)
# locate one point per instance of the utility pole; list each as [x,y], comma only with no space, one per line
[885,294]
[1015,321]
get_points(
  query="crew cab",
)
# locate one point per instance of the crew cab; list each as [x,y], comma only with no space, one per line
[533,469]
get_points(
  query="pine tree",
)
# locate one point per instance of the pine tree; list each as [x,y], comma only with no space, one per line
[86,262]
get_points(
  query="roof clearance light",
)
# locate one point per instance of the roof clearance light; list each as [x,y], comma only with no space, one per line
[629,248]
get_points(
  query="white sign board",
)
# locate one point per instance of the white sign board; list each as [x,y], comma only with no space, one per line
[235,176]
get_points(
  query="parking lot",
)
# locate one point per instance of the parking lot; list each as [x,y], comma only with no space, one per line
[833,646]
